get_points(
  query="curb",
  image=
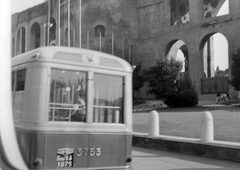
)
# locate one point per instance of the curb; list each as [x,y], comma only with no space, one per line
[216,149]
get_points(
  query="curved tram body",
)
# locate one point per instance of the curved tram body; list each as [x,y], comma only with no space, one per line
[72,109]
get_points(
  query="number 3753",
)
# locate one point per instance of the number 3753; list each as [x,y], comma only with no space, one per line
[89,151]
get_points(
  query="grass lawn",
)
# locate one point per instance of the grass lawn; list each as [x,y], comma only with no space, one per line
[186,122]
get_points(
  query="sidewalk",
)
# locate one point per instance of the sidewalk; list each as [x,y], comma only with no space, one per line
[149,159]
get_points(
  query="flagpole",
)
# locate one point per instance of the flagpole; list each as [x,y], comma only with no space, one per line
[68,23]
[87,39]
[123,47]
[20,44]
[59,21]
[74,38]
[26,38]
[15,45]
[48,24]
[100,41]
[112,43]
[44,34]
[80,23]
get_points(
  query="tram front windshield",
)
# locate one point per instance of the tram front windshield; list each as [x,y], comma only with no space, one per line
[68,95]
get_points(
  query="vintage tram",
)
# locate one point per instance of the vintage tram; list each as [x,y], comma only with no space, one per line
[72,109]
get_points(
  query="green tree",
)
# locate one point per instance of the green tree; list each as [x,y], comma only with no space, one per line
[235,71]
[164,83]
[162,77]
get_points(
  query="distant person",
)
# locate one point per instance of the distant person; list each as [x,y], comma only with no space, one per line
[218,98]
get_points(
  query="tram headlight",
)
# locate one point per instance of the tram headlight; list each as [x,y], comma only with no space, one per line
[37,162]
[129,160]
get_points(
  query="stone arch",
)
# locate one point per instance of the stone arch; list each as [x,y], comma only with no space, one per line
[35,35]
[209,53]
[178,49]
[21,40]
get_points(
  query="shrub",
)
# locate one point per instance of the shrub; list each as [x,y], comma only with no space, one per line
[184,95]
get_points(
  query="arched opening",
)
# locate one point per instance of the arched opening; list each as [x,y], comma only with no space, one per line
[51,27]
[215,8]
[35,34]
[21,36]
[177,49]
[215,63]
[214,47]
[99,29]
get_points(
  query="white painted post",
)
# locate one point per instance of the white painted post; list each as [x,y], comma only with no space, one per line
[207,128]
[154,123]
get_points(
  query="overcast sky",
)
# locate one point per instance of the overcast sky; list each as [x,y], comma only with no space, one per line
[21,5]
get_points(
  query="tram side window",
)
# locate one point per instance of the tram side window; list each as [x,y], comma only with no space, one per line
[67,96]
[21,74]
[13,80]
[108,99]
[18,85]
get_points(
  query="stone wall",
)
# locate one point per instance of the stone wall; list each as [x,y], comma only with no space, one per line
[137,30]
[119,19]
[152,44]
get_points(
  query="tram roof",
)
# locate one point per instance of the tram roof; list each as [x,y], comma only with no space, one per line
[76,56]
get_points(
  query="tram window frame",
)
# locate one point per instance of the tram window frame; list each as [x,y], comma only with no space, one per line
[74,110]
[108,111]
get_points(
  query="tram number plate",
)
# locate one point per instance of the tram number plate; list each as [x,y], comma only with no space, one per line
[65,157]
[89,151]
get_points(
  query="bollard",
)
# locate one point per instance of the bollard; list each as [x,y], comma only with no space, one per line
[207,129]
[154,123]
[116,118]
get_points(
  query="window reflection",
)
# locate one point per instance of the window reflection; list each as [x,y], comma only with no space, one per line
[67,96]
[21,74]
[108,99]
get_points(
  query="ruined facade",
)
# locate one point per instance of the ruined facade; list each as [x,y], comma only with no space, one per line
[136,30]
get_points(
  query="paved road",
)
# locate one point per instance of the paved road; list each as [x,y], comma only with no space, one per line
[149,159]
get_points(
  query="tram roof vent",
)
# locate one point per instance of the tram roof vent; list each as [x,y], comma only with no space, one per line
[75,58]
